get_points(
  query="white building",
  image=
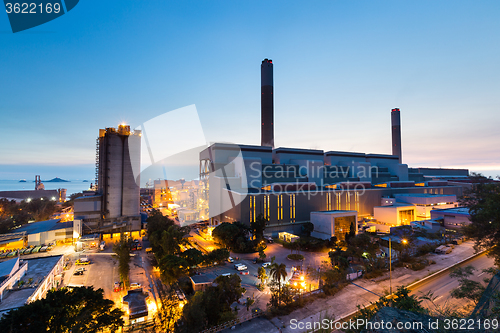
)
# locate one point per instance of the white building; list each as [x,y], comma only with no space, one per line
[336,223]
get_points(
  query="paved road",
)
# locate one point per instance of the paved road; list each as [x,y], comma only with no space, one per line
[441,286]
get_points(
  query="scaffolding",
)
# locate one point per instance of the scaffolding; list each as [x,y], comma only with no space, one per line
[96,180]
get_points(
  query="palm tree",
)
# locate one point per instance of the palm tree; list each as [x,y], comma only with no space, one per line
[278,272]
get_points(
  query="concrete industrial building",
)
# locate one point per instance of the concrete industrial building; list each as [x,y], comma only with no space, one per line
[332,223]
[288,185]
[267,103]
[114,206]
[39,275]
[453,218]
[40,233]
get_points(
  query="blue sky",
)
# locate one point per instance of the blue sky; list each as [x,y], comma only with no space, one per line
[339,68]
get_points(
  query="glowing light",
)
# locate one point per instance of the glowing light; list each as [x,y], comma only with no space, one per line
[404,241]
[302,278]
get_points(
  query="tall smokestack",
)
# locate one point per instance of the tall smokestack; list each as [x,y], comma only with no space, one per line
[396,134]
[266,103]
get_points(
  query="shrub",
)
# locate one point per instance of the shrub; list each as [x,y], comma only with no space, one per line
[295,256]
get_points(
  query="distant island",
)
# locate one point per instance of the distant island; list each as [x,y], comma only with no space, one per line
[85,181]
[22,181]
[56,180]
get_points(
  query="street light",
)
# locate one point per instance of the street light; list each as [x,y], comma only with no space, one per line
[390,265]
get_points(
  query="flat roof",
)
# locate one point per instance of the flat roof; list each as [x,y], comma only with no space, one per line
[43,226]
[455,210]
[15,298]
[203,278]
[7,266]
[38,269]
[335,211]
[423,195]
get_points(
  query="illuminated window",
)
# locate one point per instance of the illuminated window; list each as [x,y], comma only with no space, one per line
[266,207]
[280,207]
[292,208]
[337,199]
[356,201]
[348,203]
[252,209]
[328,201]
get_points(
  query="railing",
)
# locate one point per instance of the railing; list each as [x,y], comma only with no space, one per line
[232,323]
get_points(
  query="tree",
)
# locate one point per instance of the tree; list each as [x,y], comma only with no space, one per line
[262,275]
[171,239]
[339,259]
[169,311]
[78,310]
[193,256]
[482,201]
[467,289]
[172,268]
[122,251]
[257,228]
[402,300]
[307,228]
[213,306]
[218,255]
[278,273]
[249,303]
[194,317]
[262,254]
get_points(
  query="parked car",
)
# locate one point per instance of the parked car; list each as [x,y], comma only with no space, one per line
[83,261]
[230,259]
[226,274]
[241,268]
[118,286]
[266,264]
[135,285]
[244,272]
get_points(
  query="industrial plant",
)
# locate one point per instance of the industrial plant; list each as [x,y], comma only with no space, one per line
[291,186]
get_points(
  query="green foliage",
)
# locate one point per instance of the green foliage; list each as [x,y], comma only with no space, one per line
[278,273]
[467,289]
[334,280]
[257,228]
[13,214]
[194,257]
[169,311]
[79,310]
[172,268]
[262,275]
[307,228]
[339,258]
[295,256]
[217,255]
[213,306]
[122,251]
[484,209]
[401,300]
[234,236]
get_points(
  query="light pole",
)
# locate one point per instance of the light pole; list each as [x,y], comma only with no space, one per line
[390,266]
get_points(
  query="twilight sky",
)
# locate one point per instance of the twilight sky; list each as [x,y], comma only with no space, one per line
[339,68]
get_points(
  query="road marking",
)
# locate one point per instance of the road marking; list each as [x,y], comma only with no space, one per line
[480,274]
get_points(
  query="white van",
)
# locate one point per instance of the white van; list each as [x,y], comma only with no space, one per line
[242,268]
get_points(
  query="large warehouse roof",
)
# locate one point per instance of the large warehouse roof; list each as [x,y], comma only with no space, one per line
[43,226]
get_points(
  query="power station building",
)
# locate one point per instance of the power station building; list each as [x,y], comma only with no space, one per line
[114,205]
[288,185]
